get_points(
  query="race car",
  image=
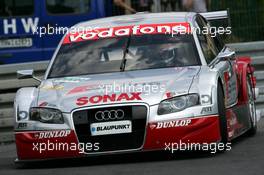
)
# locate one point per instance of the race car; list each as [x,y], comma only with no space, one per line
[140,82]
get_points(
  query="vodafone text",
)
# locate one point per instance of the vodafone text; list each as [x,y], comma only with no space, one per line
[128,30]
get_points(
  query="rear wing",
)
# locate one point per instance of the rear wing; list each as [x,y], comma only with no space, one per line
[217,15]
[224,14]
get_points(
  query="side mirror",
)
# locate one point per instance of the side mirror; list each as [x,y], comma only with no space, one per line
[224,56]
[25,74]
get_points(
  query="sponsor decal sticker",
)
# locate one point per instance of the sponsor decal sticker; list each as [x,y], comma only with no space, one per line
[173,94]
[171,124]
[152,126]
[46,104]
[116,127]
[101,33]
[108,98]
[84,88]
[206,110]
[22,125]
[43,104]
[51,87]
[52,134]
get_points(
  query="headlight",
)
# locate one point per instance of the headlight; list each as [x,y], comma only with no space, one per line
[177,104]
[46,115]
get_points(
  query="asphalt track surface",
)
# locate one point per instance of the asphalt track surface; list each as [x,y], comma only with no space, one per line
[246,157]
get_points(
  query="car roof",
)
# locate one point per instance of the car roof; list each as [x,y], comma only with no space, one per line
[139,19]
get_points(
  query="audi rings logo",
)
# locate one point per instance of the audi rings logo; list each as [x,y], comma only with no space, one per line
[109,115]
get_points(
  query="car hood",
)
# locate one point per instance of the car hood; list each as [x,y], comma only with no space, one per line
[148,86]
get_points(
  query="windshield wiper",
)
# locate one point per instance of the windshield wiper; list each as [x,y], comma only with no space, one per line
[125,51]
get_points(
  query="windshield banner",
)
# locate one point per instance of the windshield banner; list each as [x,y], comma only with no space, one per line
[100,33]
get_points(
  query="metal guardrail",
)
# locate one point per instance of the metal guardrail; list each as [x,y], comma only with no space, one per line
[9,84]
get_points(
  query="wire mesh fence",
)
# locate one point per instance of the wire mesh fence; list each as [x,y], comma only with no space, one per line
[247,16]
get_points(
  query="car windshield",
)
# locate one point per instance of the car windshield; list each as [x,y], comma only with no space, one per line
[106,55]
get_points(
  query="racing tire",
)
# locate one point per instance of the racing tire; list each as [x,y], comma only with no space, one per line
[222,115]
[251,108]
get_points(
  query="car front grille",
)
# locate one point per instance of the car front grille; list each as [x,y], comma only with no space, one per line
[137,114]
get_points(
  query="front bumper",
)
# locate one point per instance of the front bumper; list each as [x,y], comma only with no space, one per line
[39,145]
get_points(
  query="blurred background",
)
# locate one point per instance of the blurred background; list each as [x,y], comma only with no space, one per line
[247,16]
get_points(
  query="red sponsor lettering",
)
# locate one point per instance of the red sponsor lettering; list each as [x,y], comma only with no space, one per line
[100,33]
[136,96]
[82,101]
[108,98]
[123,97]
[96,99]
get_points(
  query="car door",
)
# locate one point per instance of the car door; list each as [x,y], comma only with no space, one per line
[212,47]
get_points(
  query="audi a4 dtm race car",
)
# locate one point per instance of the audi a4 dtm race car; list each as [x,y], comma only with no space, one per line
[136,83]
